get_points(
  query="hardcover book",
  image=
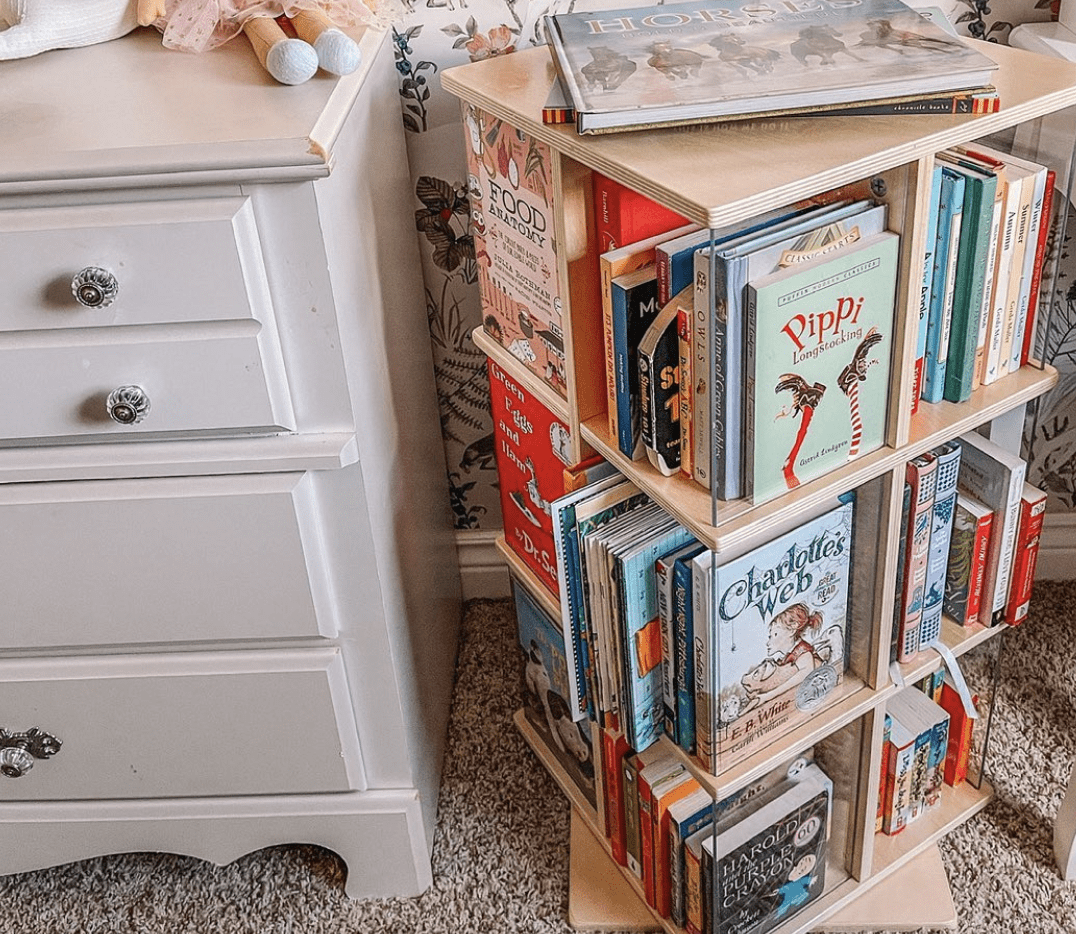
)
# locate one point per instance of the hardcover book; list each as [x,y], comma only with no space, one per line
[941,528]
[545,692]
[624,216]
[1026,553]
[703,61]
[968,552]
[659,386]
[946,253]
[510,185]
[818,341]
[922,477]
[926,289]
[634,308]
[771,630]
[771,863]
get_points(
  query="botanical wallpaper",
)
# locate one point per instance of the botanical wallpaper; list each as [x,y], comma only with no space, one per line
[432,35]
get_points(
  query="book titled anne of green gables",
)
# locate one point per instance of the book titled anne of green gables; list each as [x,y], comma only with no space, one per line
[819,337]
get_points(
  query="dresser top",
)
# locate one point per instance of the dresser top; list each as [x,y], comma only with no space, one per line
[130,109]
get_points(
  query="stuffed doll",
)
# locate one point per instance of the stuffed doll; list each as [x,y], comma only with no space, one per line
[197,25]
[35,26]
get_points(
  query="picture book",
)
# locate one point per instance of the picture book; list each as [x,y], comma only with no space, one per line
[510,186]
[941,528]
[771,862]
[995,476]
[818,339]
[922,476]
[634,308]
[545,685]
[925,290]
[531,450]
[1025,553]
[709,59]
[659,386]
[721,273]
[774,647]
[968,550]
[946,254]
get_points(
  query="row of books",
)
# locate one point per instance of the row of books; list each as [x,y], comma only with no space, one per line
[989,220]
[754,357]
[926,744]
[771,836]
[971,526]
[713,60]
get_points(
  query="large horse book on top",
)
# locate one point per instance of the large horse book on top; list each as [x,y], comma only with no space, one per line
[708,60]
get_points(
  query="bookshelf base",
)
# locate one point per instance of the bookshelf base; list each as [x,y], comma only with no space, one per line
[601,899]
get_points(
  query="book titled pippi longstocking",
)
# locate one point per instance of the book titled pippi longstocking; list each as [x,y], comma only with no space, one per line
[819,337]
[510,186]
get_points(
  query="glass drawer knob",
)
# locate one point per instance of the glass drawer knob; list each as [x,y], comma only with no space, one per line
[19,750]
[95,287]
[127,405]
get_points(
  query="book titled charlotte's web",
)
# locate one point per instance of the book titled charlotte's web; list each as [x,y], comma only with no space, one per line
[706,60]
[819,338]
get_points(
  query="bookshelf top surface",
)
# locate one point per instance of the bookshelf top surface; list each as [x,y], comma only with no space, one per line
[718,173]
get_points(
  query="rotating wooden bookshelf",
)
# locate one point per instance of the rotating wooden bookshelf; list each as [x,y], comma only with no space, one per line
[715,176]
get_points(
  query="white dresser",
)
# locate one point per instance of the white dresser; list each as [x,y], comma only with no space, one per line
[229,585]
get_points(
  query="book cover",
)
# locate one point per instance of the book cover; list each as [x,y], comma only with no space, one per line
[634,308]
[941,529]
[926,288]
[922,475]
[684,643]
[659,387]
[775,646]
[511,195]
[624,216]
[968,550]
[628,68]
[544,672]
[771,863]
[1025,553]
[722,270]
[937,719]
[980,188]
[816,363]
[995,476]
[946,254]
[531,447]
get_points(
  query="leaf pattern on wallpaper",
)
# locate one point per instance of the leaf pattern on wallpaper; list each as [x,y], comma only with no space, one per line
[414,88]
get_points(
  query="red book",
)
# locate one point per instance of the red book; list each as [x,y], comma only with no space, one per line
[980,553]
[1025,556]
[664,795]
[969,547]
[623,216]
[531,446]
[661,769]
[614,750]
[958,748]
[1036,271]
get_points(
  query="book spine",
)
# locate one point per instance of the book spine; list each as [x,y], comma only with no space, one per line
[988,285]
[1032,515]
[693,914]
[685,656]
[927,284]
[1016,278]
[898,783]
[684,329]
[632,832]
[939,741]
[646,401]
[1028,272]
[982,103]
[980,554]
[615,747]
[709,439]
[704,699]
[958,746]
[879,817]
[1008,546]
[1006,246]
[917,782]
[1036,271]
[663,569]
[939,324]
[609,344]
[922,475]
[646,835]
[679,834]
[941,527]
[663,449]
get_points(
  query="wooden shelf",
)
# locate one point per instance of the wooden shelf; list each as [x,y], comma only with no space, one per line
[534,585]
[958,639]
[556,404]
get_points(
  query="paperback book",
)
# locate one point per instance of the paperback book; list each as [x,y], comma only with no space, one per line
[818,342]
[707,60]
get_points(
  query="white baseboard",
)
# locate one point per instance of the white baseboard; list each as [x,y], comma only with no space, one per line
[1057,548]
[483,571]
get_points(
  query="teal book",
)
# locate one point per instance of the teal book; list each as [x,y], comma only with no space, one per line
[926,289]
[950,219]
[980,189]
[794,241]
[819,338]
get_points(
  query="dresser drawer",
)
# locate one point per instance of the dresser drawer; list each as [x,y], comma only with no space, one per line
[173,261]
[188,724]
[183,559]
[199,379]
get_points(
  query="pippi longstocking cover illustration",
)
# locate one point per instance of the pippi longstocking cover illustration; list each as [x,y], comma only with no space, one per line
[510,186]
[771,634]
[819,338]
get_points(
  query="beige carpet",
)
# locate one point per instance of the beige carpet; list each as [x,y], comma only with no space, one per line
[501,854]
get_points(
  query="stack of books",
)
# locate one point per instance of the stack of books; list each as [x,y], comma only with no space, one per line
[713,60]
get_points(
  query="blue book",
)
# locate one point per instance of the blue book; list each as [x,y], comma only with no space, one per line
[684,641]
[687,816]
[941,530]
[737,261]
[635,306]
[671,659]
[950,217]
[927,289]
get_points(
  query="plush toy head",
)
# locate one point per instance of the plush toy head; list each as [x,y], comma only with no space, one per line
[35,26]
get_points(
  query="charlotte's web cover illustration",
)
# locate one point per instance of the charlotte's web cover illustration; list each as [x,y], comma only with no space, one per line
[818,342]
[510,185]
[775,648]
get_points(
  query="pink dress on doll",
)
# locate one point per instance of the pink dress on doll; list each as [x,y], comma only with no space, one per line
[197,25]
